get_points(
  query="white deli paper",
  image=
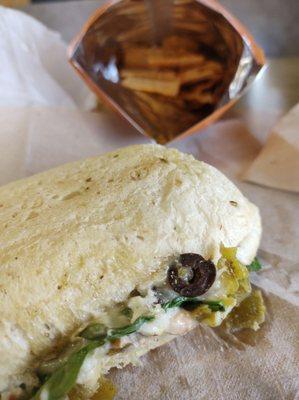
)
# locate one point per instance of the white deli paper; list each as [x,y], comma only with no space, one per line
[34,68]
[277,165]
[205,364]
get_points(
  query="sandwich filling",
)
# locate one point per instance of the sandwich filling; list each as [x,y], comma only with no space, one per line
[194,291]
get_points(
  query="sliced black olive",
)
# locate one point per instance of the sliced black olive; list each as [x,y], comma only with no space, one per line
[191,275]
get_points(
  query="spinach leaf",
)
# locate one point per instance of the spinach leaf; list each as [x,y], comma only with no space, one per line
[255,265]
[64,378]
[127,330]
[182,300]
[215,305]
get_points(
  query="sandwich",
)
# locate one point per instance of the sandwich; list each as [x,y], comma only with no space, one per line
[104,259]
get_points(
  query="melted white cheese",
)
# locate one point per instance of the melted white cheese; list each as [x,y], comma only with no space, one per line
[160,324]
[174,321]
[88,369]
[181,323]
[44,395]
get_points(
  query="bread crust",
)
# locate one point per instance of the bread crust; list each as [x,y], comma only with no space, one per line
[78,239]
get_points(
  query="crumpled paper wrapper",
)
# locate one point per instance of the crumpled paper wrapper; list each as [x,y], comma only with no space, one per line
[277,165]
[206,363]
[34,69]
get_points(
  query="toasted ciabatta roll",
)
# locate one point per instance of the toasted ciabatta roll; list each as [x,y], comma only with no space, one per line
[104,259]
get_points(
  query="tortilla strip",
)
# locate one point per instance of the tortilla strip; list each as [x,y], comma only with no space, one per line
[167,75]
[204,27]
[164,116]
[176,42]
[199,96]
[209,71]
[157,105]
[138,57]
[133,33]
[131,10]
[167,88]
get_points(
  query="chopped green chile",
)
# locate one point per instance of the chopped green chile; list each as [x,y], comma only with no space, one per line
[51,365]
[181,301]
[94,331]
